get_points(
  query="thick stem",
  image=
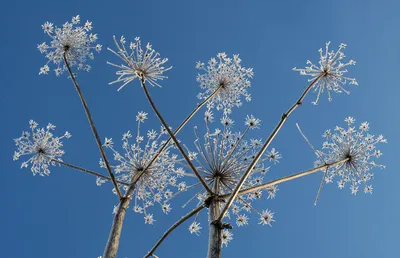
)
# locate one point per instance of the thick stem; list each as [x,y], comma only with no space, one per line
[264,148]
[113,240]
[86,171]
[115,234]
[169,231]
[173,137]
[215,231]
[94,130]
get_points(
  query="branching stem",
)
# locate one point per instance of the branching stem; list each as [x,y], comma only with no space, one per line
[113,240]
[264,147]
[86,171]
[172,228]
[96,135]
[288,178]
[173,136]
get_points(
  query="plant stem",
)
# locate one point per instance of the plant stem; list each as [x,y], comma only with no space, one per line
[264,148]
[288,178]
[176,132]
[113,240]
[174,226]
[215,231]
[89,117]
[173,137]
[86,171]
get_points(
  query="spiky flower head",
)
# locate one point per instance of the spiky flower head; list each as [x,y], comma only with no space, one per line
[72,40]
[267,217]
[41,146]
[194,228]
[229,77]
[138,63]
[226,237]
[358,147]
[222,157]
[157,184]
[331,71]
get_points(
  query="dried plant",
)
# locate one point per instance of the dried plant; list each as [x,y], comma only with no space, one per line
[224,170]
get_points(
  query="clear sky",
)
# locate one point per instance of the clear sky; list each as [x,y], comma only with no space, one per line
[66,215]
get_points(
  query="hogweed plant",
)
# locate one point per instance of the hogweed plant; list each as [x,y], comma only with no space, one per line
[224,170]
[222,158]
[71,40]
[358,147]
[331,71]
[230,76]
[44,148]
[154,187]
[138,63]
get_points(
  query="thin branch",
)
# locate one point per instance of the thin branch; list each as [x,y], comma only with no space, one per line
[287,178]
[86,171]
[309,143]
[320,186]
[173,137]
[172,228]
[89,117]
[170,138]
[264,148]
[320,158]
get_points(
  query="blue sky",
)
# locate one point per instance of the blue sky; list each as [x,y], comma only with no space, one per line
[66,215]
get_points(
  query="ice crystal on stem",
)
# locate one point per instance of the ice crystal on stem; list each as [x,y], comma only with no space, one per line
[331,70]
[43,148]
[222,159]
[358,147]
[72,40]
[227,74]
[138,63]
[154,187]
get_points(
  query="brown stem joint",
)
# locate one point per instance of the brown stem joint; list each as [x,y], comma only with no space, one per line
[221,225]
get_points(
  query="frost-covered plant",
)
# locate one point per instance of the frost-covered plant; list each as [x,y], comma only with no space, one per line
[138,63]
[358,147]
[228,167]
[159,181]
[229,76]
[221,157]
[330,72]
[43,148]
[226,237]
[72,41]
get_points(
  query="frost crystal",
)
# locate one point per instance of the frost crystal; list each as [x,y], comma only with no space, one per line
[358,146]
[73,40]
[332,71]
[138,63]
[43,148]
[230,76]
[154,187]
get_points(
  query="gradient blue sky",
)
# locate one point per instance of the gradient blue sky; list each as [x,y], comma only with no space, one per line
[66,215]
